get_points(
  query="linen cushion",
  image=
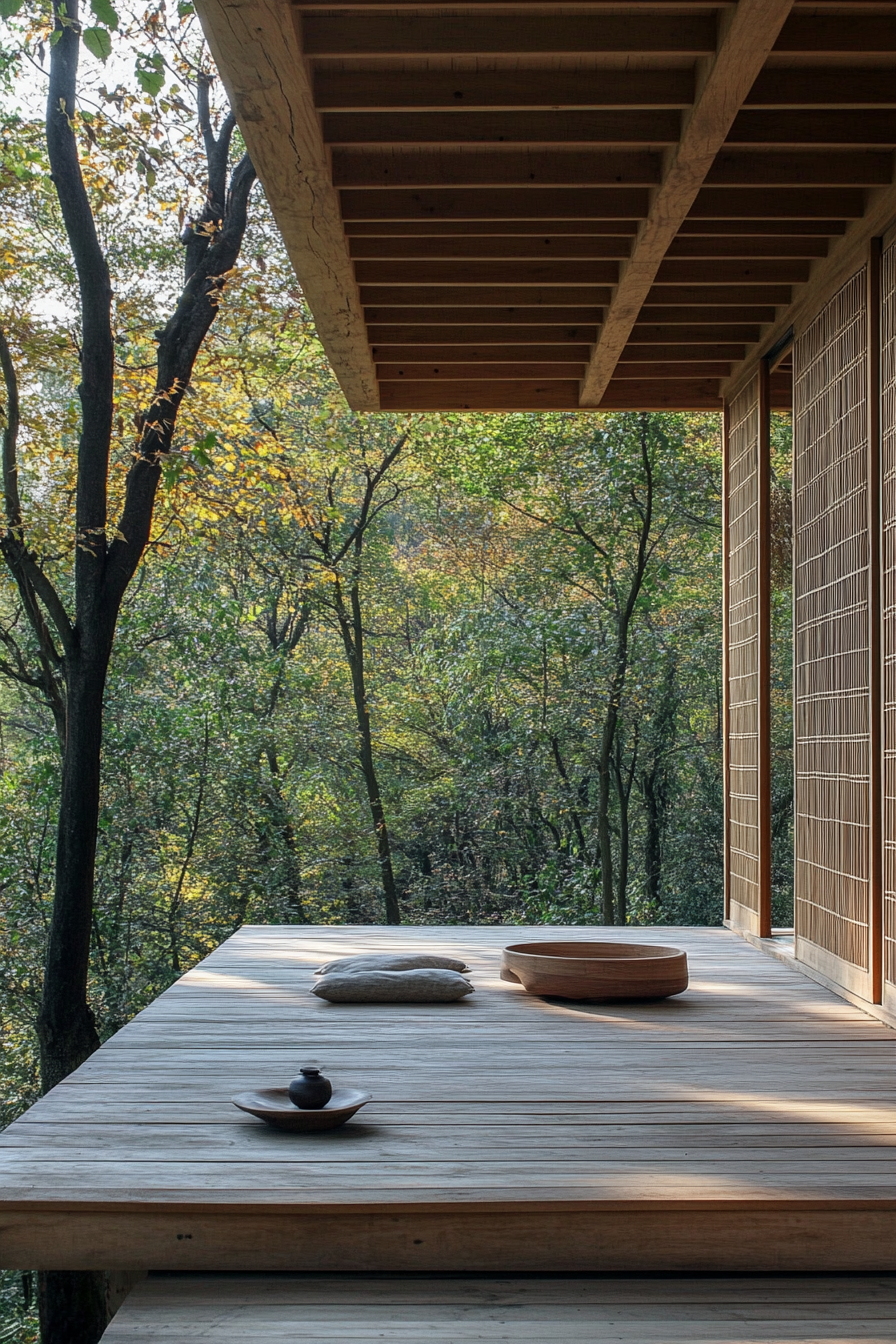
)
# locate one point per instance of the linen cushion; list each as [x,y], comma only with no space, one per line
[393,961]
[427,985]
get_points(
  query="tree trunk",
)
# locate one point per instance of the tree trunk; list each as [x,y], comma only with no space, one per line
[653,837]
[282,823]
[65,1025]
[604,837]
[72,1306]
[623,793]
[352,630]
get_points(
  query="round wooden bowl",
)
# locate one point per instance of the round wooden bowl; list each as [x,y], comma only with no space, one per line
[596,971]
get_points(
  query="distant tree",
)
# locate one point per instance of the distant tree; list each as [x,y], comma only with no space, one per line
[73,612]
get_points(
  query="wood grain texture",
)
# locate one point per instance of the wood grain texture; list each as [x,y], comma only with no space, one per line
[748,1123]
[395,1310]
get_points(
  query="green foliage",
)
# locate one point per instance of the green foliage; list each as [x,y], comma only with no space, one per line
[98,42]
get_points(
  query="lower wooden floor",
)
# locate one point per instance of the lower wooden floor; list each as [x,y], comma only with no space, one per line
[342,1309]
[749,1124]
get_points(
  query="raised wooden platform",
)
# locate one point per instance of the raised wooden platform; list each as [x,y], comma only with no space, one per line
[748,1124]
[391,1310]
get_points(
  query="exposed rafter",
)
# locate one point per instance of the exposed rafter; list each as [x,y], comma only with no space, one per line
[747,38]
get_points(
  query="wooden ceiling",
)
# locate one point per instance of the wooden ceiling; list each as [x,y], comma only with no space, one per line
[545,206]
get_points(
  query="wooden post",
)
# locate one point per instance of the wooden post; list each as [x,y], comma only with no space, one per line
[875,619]
[726,699]
[764,653]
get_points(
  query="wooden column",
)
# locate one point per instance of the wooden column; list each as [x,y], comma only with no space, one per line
[875,621]
[764,655]
[726,695]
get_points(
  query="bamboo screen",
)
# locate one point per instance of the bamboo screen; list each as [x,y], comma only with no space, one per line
[743,659]
[888,449]
[831,660]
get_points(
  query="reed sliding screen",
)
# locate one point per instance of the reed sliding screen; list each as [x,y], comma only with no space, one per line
[742,838]
[888,449]
[832,802]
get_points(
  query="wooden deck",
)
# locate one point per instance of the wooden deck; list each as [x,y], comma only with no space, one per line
[337,1309]
[749,1124]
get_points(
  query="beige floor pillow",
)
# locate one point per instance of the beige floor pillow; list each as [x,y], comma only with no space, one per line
[428,985]
[393,961]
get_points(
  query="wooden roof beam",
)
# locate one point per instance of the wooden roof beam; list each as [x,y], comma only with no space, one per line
[745,42]
[256,48]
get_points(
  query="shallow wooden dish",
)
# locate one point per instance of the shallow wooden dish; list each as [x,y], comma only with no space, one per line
[273,1105]
[596,971]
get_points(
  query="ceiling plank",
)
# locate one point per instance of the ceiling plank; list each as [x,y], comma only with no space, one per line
[736,246]
[868,33]
[786,126]
[665,369]
[589,228]
[385,34]
[823,86]
[493,271]
[692,315]
[295,173]
[506,203]
[626,394]
[650,333]
[472,395]
[761,228]
[527,228]
[779,203]
[502,354]
[460,296]
[642,354]
[634,395]
[732,296]
[511,168]
[389,334]
[496,316]
[480,370]
[744,45]
[812,168]
[342,90]
[632,127]
[473,247]
[750,271]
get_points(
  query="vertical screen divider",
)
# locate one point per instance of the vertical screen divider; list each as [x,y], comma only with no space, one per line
[764,654]
[875,622]
[726,697]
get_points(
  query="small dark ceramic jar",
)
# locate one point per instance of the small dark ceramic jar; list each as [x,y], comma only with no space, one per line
[311,1090]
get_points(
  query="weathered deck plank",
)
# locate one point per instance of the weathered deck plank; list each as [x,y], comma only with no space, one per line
[750,1123]
[392,1310]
